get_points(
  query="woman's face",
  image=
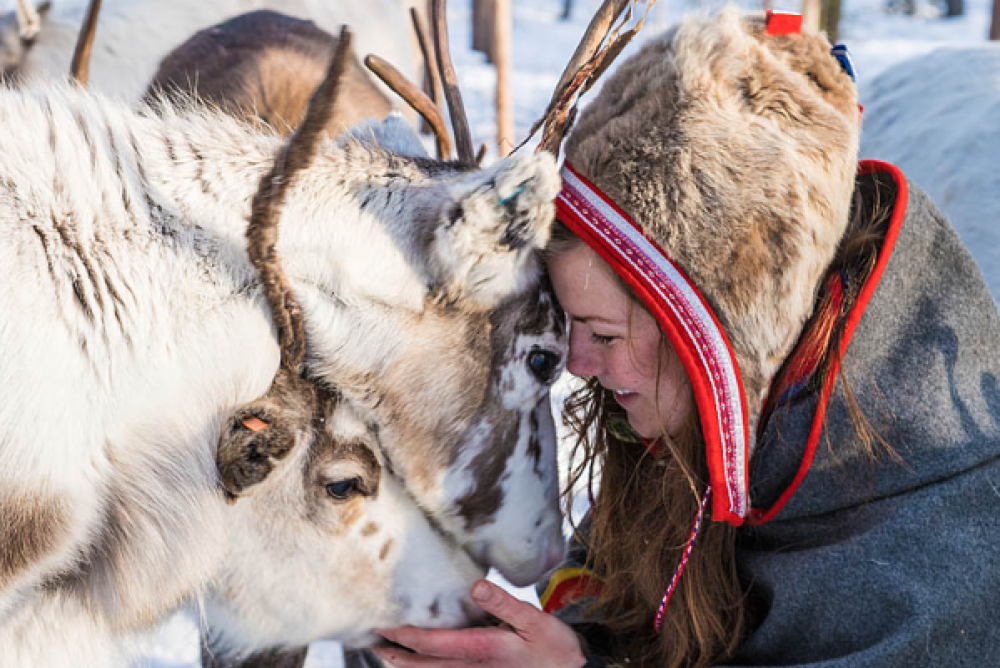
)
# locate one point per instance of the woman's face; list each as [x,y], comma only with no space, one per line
[622,357]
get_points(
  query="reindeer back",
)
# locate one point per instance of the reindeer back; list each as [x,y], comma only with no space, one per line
[263,66]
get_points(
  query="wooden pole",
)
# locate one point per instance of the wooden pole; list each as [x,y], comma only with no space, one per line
[483,16]
[831,19]
[502,59]
[811,10]
[995,25]
[79,67]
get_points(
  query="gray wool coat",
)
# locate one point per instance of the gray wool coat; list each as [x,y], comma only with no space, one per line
[893,562]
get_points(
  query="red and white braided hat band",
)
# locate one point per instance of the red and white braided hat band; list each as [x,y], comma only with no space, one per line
[689,325]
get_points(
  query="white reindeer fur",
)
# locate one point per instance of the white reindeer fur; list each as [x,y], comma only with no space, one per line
[266,575]
[268,530]
[120,411]
[134,35]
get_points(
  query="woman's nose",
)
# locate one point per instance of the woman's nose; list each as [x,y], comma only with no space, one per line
[584,359]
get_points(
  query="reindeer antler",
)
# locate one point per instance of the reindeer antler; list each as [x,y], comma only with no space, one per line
[415,97]
[459,120]
[262,232]
[425,105]
[28,20]
[431,74]
[432,78]
[588,63]
[79,69]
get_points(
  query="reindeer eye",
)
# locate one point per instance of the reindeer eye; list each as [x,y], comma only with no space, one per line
[344,489]
[543,364]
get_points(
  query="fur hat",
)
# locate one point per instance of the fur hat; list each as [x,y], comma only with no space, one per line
[733,151]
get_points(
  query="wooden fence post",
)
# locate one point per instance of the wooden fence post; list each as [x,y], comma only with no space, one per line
[502,61]
[811,11]
[831,19]
[483,30]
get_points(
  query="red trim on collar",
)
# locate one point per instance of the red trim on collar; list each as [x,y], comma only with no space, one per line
[759,515]
[689,324]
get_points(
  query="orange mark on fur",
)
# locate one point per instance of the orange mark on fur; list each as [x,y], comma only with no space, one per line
[369,529]
[351,513]
[254,424]
[384,552]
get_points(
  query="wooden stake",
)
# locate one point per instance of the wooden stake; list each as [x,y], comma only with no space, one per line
[502,60]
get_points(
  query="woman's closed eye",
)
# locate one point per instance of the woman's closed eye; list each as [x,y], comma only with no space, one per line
[602,340]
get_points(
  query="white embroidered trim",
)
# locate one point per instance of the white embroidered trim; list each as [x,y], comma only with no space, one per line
[700,327]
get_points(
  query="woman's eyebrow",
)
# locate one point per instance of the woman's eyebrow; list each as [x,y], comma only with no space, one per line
[595,318]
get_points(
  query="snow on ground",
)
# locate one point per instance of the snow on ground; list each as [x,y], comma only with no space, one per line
[542,45]
[924,117]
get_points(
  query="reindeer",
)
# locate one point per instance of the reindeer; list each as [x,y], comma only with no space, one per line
[599,46]
[263,66]
[135,35]
[135,323]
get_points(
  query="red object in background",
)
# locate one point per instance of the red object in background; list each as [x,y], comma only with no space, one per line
[784,23]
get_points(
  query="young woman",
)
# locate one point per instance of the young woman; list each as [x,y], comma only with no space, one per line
[792,396]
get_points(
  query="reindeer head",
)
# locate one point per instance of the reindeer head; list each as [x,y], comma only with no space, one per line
[446,336]
[437,447]
[325,541]
[438,327]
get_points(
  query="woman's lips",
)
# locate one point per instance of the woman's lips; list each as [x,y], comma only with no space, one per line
[624,397]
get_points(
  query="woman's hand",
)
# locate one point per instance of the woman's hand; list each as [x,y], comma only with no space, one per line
[528,638]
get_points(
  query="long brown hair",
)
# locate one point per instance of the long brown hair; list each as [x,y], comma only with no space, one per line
[644,504]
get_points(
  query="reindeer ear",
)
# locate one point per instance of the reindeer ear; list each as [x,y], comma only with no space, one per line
[483,249]
[256,438]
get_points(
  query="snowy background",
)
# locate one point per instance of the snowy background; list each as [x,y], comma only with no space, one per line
[877,38]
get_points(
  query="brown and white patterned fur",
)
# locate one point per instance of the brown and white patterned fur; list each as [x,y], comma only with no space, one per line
[133,326]
[744,173]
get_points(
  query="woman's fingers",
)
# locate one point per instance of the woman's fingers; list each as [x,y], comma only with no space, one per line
[529,638]
[520,616]
[466,644]
[400,658]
